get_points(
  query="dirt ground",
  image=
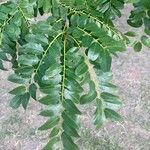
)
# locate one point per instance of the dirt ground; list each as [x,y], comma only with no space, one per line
[18,129]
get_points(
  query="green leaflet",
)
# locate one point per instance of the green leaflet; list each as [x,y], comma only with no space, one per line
[20,99]
[146,41]
[90,96]
[51,143]
[110,98]
[53,70]
[54,132]
[70,131]
[71,120]
[37,38]
[138,47]
[15,102]
[94,51]
[68,142]
[32,48]
[47,113]
[49,99]
[17,79]
[74,96]
[53,110]
[99,115]
[32,90]
[82,68]
[50,123]
[73,85]
[70,106]
[50,90]
[105,62]
[112,115]
[29,60]
[25,71]
[131,34]
[86,40]
[18,91]
[25,100]
[147,25]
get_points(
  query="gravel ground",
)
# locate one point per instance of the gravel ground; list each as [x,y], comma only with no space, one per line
[18,129]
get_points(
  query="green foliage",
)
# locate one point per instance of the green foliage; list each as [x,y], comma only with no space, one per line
[66,58]
[139,17]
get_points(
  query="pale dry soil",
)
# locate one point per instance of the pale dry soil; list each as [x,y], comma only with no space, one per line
[18,129]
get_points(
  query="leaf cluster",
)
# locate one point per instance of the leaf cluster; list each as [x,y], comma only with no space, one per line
[66,58]
[140,18]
